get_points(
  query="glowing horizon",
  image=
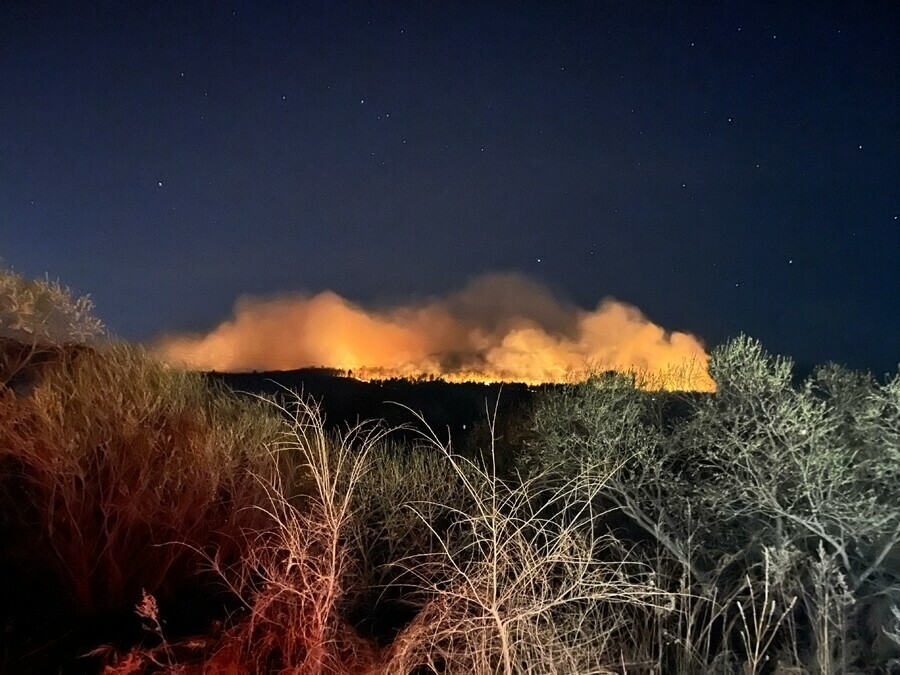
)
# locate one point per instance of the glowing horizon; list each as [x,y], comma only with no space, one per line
[498,328]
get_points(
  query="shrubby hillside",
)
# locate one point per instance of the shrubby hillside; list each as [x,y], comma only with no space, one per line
[152,521]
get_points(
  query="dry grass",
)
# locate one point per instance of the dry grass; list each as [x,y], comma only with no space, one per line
[517,581]
[763,519]
[116,470]
[532,588]
[295,581]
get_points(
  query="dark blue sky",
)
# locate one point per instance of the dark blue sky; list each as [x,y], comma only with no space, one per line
[726,167]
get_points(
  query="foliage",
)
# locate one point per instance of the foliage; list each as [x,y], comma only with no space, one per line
[407,504]
[119,474]
[803,478]
[43,311]
[532,590]
[752,530]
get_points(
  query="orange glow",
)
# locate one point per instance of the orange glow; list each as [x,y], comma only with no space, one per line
[501,327]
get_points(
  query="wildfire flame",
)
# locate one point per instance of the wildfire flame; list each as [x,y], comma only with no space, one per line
[500,327]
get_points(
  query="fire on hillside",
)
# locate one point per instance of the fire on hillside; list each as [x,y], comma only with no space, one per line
[499,328]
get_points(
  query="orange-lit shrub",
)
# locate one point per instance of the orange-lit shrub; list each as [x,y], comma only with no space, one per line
[119,474]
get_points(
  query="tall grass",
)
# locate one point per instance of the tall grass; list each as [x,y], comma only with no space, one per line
[107,481]
[508,578]
[118,475]
[529,586]
[294,582]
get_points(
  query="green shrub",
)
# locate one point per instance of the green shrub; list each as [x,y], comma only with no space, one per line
[407,506]
[763,484]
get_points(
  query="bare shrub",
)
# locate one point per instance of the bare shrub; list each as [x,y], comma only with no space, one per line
[294,582]
[530,590]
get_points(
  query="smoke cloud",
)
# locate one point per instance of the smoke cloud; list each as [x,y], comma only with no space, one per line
[500,327]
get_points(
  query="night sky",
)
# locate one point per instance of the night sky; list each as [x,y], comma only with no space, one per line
[726,167]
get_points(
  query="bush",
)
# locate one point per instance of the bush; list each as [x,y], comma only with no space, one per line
[295,582]
[407,505]
[118,475]
[43,311]
[528,590]
[762,485]
[810,473]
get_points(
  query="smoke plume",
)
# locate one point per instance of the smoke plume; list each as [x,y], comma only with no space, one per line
[500,327]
